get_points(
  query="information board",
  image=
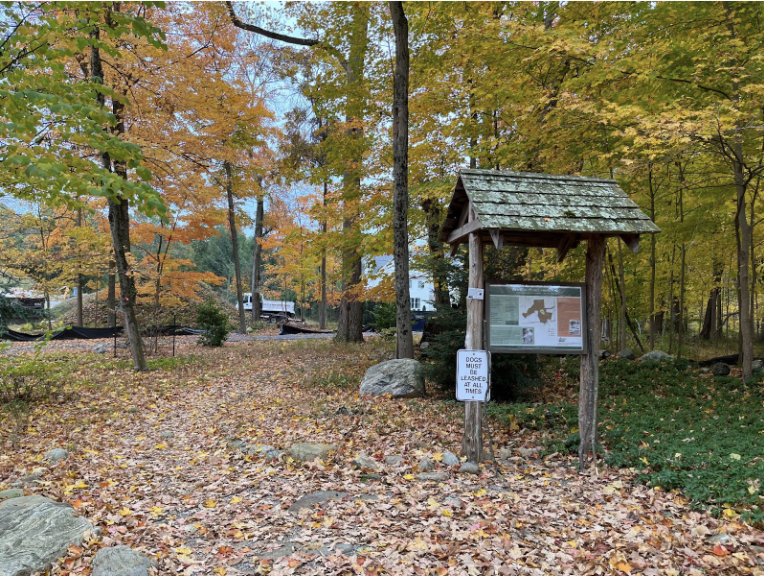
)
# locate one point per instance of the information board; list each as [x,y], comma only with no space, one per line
[472,373]
[530,318]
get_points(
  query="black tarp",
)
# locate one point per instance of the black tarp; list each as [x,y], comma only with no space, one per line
[70,333]
[292,329]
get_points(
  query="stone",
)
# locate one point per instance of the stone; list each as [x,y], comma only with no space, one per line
[236,444]
[305,451]
[705,370]
[656,356]
[403,378]
[122,344]
[604,354]
[364,463]
[432,476]
[100,349]
[35,532]
[425,465]
[528,452]
[56,455]
[449,459]
[506,453]
[11,493]
[453,502]
[757,365]
[261,449]
[393,460]
[121,561]
[720,369]
[469,468]
[167,434]
[32,478]
[424,345]
[723,539]
[626,354]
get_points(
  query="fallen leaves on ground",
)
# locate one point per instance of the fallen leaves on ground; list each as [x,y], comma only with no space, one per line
[198,503]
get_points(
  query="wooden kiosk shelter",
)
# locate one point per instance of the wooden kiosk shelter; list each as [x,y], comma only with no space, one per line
[541,210]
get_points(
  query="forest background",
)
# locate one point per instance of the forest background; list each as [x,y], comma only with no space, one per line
[156,150]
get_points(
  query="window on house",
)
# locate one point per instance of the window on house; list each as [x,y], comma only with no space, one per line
[421,284]
[415,303]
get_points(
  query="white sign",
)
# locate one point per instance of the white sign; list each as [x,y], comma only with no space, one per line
[475,294]
[472,372]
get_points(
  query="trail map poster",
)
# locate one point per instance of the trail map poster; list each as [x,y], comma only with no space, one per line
[528,318]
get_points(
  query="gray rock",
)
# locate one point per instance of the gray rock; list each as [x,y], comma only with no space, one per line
[364,463]
[29,479]
[453,502]
[56,455]
[432,476]
[236,444]
[528,452]
[720,369]
[287,549]
[259,449]
[426,465]
[604,354]
[723,539]
[122,344]
[36,531]
[705,370]
[167,434]
[393,460]
[11,493]
[506,453]
[402,378]
[100,349]
[627,354]
[424,345]
[469,468]
[757,365]
[450,459]
[120,561]
[656,356]
[305,451]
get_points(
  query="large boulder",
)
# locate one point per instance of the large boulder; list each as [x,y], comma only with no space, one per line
[626,354]
[656,356]
[402,378]
[120,561]
[35,532]
[720,369]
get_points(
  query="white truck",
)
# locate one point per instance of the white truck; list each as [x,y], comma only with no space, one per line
[273,311]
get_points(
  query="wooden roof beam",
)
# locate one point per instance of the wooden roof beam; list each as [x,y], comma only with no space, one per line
[632,241]
[566,243]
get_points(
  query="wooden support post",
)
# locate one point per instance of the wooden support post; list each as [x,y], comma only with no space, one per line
[472,442]
[589,390]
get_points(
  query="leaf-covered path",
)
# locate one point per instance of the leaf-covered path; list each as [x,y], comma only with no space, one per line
[160,462]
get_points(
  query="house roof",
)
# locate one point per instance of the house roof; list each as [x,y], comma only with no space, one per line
[541,210]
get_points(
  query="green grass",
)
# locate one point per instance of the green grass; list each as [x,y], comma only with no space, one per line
[677,429]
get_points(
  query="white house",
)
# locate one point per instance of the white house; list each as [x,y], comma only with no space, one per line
[421,287]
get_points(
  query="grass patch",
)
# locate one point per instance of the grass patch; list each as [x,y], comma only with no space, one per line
[677,428]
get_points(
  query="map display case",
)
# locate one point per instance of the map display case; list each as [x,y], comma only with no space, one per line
[527,318]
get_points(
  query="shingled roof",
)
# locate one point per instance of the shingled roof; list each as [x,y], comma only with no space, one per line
[541,210]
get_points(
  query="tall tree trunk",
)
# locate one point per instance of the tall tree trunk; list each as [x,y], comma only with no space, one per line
[324,299]
[653,241]
[111,295]
[404,339]
[350,324]
[119,224]
[622,291]
[257,306]
[433,220]
[234,244]
[79,277]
